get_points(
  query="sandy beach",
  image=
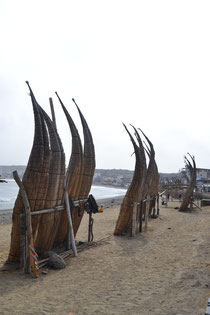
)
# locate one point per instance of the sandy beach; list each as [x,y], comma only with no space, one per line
[165,270]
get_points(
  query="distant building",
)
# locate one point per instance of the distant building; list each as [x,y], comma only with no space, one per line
[202,178]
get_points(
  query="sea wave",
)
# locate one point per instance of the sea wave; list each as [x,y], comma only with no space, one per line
[9,191]
[5,199]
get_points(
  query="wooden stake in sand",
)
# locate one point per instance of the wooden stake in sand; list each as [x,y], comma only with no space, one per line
[140,215]
[30,258]
[22,239]
[70,235]
[147,213]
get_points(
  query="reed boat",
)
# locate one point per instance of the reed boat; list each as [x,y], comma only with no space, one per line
[44,182]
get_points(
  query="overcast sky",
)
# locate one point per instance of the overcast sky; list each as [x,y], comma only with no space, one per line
[145,63]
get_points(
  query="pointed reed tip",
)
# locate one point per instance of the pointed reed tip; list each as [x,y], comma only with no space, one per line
[75,104]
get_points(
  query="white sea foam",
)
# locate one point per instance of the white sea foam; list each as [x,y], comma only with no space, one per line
[8,193]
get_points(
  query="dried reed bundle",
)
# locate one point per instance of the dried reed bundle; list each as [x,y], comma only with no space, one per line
[132,194]
[73,176]
[142,174]
[35,180]
[44,181]
[189,193]
[49,222]
[150,168]
[143,164]
[88,169]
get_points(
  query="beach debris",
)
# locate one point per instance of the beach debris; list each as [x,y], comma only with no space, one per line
[45,271]
[81,247]
[101,208]
[56,262]
[49,253]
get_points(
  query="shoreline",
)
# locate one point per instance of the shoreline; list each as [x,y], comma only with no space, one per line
[6,214]
[110,186]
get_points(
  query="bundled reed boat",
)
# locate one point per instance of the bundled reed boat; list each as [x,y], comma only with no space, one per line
[137,200]
[45,182]
[192,183]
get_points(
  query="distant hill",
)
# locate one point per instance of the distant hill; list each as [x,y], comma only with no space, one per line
[170,175]
[115,172]
[115,175]
[7,170]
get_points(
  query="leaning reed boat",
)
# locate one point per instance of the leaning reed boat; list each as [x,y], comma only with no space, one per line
[189,192]
[74,173]
[132,195]
[45,182]
[89,165]
[35,181]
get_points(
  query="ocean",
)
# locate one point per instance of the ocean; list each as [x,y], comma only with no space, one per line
[9,190]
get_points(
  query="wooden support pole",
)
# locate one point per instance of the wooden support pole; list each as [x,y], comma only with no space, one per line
[58,208]
[90,226]
[166,200]
[22,239]
[27,267]
[50,210]
[158,204]
[140,215]
[147,212]
[133,225]
[191,204]
[70,227]
[197,206]
[140,222]
[52,111]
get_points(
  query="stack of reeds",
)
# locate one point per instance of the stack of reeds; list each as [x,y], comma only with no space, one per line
[192,183]
[144,184]
[44,180]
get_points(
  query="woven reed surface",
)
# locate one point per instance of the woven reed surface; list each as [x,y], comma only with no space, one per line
[35,174]
[88,170]
[43,181]
[132,194]
[49,222]
[73,176]
[186,199]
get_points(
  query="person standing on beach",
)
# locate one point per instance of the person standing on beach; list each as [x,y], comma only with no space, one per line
[163,200]
[180,196]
